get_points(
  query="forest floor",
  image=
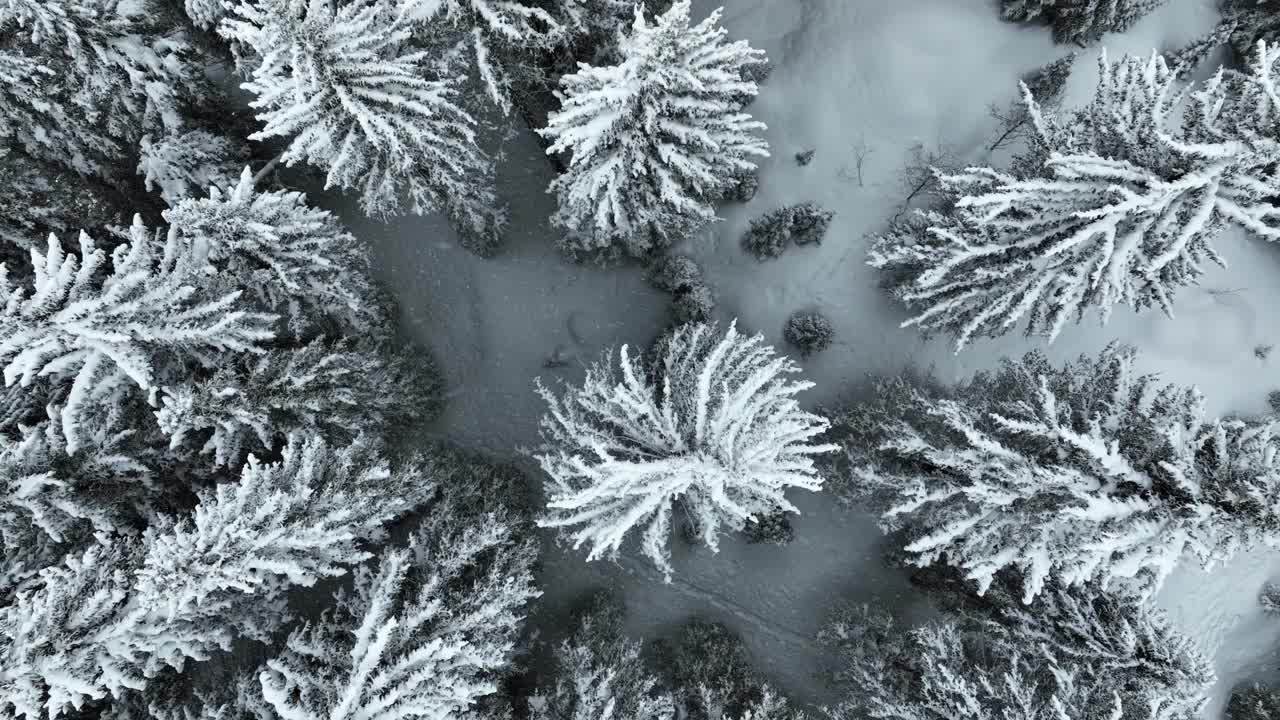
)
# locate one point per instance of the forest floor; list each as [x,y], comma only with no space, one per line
[860,82]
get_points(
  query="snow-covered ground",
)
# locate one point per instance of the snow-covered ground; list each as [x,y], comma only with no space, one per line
[883,74]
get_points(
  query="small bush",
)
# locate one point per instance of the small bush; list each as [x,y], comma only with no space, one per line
[693,304]
[773,528]
[672,273]
[809,332]
[769,234]
[805,157]
[809,223]
[1273,399]
[1269,599]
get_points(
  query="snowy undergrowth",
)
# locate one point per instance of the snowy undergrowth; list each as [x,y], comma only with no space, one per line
[849,74]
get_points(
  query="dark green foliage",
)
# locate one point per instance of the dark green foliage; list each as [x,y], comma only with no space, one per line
[672,273]
[1079,21]
[693,304]
[810,332]
[1245,23]
[1273,399]
[1253,702]
[774,528]
[804,157]
[710,655]
[802,224]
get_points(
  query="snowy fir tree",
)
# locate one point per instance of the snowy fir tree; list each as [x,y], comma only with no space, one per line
[289,258]
[1073,654]
[1079,21]
[601,674]
[425,633]
[337,388]
[106,330]
[653,139]
[494,34]
[184,164]
[112,616]
[1253,702]
[84,80]
[710,425]
[1125,208]
[1089,473]
[343,84]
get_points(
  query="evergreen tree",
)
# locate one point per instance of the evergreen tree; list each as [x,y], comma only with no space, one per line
[1072,654]
[654,138]
[1124,208]
[1089,473]
[492,33]
[1253,702]
[424,634]
[811,332]
[802,224]
[1079,21]
[84,80]
[291,259]
[180,164]
[113,615]
[335,388]
[601,674]
[344,85]
[711,424]
[151,309]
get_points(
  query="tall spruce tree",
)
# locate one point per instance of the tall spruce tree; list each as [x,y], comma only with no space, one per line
[653,140]
[1088,473]
[1117,204]
[345,86]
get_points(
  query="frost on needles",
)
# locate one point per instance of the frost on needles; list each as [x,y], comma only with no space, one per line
[348,89]
[1117,203]
[710,424]
[1086,473]
[1074,653]
[655,139]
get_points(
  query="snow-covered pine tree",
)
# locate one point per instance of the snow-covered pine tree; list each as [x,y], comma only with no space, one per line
[1079,21]
[110,617]
[711,424]
[1073,654]
[1253,701]
[345,86]
[291,259]
[84,80]
[653,139]
[1086,21]
[1046,84]
[424,634]
[1088,473]
[713,678]
[106,330]
[1125,210]
[491,33]
[53,496]
[600,673]
[181,164]
[205,14]
[1245,23]
[335,388]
